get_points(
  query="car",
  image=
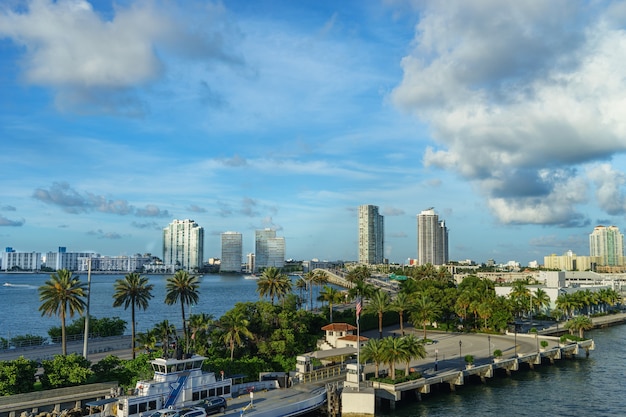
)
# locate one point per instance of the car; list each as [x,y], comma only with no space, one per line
[190,412]
[213,405]
[166,412]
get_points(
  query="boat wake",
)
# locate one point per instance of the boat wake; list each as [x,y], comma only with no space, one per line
[8,284]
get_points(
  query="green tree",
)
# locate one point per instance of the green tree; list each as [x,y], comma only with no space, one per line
[379,304]
[182,288]
[132,291]
[17,376]
[400,304]
[65,371]
[273,284]
[235,326]
[414,349]
[395,351]
[425,312]
[579,324]
[331,295]
[199,326]
[62,295]
[374,350]
[165,332]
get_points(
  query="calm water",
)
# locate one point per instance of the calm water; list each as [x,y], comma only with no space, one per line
[592,386]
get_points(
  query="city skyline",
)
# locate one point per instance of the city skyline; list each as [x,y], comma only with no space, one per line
[118,116]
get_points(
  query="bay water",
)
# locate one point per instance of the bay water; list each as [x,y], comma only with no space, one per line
[584,386]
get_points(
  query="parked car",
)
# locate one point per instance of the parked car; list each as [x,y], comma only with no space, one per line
[213,405]
[166,412]
[190,412]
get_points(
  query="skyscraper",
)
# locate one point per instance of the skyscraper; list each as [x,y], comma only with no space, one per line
[371,235]
[183,245]
[231,252]
[269,250]
[607,243]
[432,239]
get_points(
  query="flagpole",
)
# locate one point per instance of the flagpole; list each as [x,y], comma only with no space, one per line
[358,345]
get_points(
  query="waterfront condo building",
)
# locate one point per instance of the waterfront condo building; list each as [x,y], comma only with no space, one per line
[62,259]
[231,252]
[432,239]
[269,250]
[607,243]
[20,261]
[371,235]
[183,245]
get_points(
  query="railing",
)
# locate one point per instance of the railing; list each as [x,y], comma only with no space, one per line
[323,373]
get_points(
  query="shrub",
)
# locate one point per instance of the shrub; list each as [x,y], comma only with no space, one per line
[544,344]
[497,353]
[469,359]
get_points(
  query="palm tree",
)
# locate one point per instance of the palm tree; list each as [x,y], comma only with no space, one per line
[395,351]
[379,303]
[301,285]
[167,333]
[199,326]
[374,350]
[579,324]
[566,303]
[133,291]
[331,295]
[414,350]
[273,283]
[401,304]
[540,299]
[235,325]
[63,294]
[147,340]
[184,288]
[309,277]
[426,311]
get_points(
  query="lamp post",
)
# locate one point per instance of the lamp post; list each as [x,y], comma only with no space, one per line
[460,355]
[516,340]
[489,347]
[436,358]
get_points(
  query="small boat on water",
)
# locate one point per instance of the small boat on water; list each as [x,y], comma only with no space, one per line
[251,276]
[7,284]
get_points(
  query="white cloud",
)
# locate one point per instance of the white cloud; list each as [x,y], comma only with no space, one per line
[90,60]
[519,97]
[609,184]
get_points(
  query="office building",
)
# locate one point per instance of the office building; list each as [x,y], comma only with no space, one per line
[432,239]
[183,245]
[371,235]
[231,252]
[607,243]
[269,250]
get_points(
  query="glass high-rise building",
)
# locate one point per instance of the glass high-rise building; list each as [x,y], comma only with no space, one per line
[269,250]
[232,252]
[371,235]
[432,239]
[183,245]
[607,243]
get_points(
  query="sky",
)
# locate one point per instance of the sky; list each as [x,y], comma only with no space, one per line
[507,117]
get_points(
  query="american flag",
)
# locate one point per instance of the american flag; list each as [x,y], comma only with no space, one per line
[359,307]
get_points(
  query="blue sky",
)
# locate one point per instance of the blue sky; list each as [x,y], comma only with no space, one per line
[117,117]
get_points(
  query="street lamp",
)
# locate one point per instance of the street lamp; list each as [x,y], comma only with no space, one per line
[436,359]
[489,347]
[460,357]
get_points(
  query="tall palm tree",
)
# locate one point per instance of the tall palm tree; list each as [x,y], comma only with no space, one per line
[426,311]
[579,324]
[401,304]
[147,340]
[235,325]
[566,303]
[374,350]
[167,333]
[183,288]
[395,351]
[133,291]
[332,296]
[301,285]
[273,283]
[199,326]
[309,277]
[414,349]
[379,304]
[61,295]
[540,300]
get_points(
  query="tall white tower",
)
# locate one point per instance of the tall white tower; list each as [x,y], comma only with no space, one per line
[269,250]
[231,252]
[608,243]
[371,235]
[432,239]
[183,245]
